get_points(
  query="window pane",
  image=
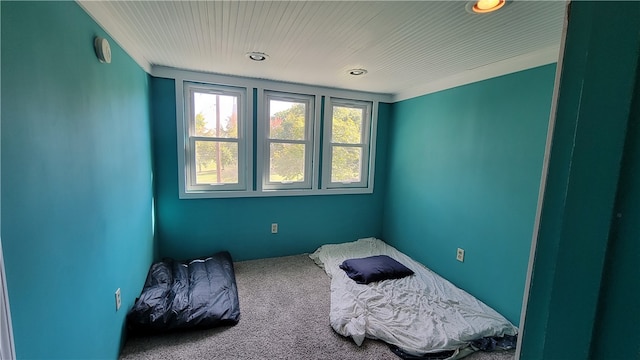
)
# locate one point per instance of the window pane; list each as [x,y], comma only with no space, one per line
[346,127]
[287,120]
[216,162]
[215,115]
[286,162]
[346,164]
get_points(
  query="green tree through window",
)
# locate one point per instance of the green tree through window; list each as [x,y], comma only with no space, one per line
[346,130]
[287,159]
[216,159]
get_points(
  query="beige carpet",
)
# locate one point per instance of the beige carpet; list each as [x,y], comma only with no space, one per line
[284,305]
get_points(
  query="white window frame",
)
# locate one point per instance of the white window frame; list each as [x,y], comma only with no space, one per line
[186,133]
[254,128]
[368,133]
[265,141]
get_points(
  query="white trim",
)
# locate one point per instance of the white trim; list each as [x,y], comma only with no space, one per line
[260,128]
[191,138]
[7,349]
[255,184]
[366,144]
[543,183]
[530,60]
[309,143]
[238,81]
[317,146]
[96,11]
[272,193]
[182,131]
[373,146]
[186,184]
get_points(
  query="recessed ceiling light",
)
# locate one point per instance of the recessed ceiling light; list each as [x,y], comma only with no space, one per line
[484,6]
[357,72]
[257,56]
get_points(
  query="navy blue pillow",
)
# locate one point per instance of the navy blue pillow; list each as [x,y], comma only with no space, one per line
[374,268]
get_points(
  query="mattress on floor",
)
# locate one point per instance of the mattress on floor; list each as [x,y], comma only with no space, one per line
[200,293]
[421,314]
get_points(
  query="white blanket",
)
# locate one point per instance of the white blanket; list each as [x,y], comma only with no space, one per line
[420,314]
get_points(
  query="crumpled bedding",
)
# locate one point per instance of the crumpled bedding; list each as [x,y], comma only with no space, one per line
[420,314]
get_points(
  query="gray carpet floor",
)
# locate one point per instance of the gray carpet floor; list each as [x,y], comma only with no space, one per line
[284,306]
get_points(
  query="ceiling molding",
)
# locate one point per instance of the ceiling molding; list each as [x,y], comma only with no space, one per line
[232,80]
[102,17]
[534,59]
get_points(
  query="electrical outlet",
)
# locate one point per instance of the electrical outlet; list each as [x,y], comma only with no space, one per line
[274,228]
[118,299]
[460,255]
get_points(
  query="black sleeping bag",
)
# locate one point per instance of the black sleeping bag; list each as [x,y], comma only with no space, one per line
[201,293]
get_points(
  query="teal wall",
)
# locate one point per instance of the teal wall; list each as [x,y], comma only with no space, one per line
[76,182]
[579,273]
[464,171]
[76,191]
[196,227]
[618,310]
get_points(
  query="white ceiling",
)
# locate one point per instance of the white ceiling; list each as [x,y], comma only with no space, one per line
[408,47]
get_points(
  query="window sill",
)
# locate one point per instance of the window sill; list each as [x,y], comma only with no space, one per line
[272,193]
